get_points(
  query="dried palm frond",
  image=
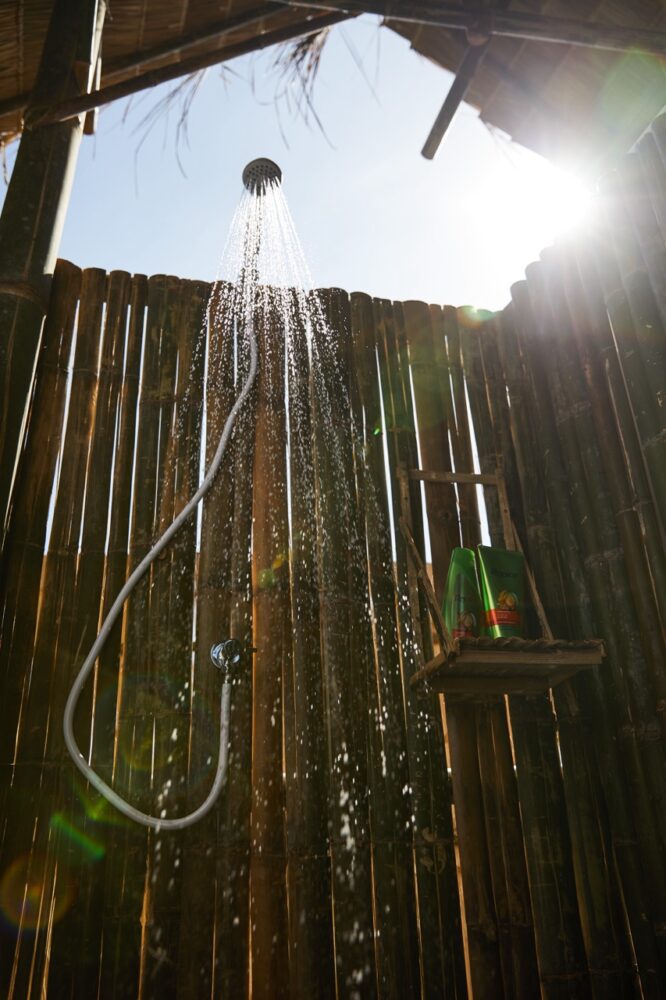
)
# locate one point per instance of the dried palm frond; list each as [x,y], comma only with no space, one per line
[297,64]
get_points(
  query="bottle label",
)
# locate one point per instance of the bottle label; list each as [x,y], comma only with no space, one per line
[501,616]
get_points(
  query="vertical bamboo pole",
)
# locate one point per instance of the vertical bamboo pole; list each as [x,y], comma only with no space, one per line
[653,528]
[20,780]
[74,966]
[171,622]
[391,808]
[500,799]
[470,524]
[595,881]
[140,747]
[233,848]
[342,627]
[311,955]
[272,621]
[500,794]
[633,837]
[619,487]
[434,859]
[33,214]
[51,660]
[480,914]
[200,923]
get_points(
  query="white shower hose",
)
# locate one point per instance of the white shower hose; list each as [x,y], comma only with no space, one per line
[110,620]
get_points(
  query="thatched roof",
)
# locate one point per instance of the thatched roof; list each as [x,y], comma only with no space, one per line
[564,101]
[575,105]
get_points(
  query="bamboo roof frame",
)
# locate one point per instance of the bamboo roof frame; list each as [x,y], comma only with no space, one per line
[526,71]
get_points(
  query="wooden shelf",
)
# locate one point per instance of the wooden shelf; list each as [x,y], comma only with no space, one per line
[477,667]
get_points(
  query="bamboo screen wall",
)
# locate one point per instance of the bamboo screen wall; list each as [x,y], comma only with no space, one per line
[329,867]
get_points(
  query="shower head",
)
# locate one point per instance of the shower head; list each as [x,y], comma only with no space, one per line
[259,173]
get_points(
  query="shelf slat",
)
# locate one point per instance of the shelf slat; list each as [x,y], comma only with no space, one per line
[491,668]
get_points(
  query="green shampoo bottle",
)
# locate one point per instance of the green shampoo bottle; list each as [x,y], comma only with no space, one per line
[461,607]
[502,575]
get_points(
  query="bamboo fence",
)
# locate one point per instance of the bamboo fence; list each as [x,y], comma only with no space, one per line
[371,840]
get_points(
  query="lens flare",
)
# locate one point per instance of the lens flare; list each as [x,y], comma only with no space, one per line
[85,848]
[30,895]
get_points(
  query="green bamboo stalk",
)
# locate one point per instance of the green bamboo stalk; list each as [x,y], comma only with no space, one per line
[311,955]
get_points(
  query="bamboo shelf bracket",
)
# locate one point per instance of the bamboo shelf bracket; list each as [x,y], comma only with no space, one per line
[484,667]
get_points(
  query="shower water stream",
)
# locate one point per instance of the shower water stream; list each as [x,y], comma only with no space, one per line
[260,178]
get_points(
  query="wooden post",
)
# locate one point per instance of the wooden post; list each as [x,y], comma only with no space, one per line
[33,216]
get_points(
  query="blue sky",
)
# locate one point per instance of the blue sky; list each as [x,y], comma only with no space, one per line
[372,214]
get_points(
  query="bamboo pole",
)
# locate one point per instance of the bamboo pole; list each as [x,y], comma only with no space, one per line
[77,967]
[634,193]
[21,784]
[653,528]
[643,648]
[484,959]
[169,629]
[311,954]
[655,176]
[599,906]
[632,842]
[434,859]
[430,374]
[25,546]
[52,657]
[392,804]
[342,622]
[49,113]
[470,523]
[496,767]
[646,602]
[272,622]
[200,923]
[142,745]
[31,222]
[500,795]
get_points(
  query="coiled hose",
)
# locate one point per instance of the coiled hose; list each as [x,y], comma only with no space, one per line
[75,693]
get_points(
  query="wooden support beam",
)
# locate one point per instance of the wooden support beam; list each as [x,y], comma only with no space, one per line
[64,110]
[140,62]
[470,62]
[32,219]
[509,24]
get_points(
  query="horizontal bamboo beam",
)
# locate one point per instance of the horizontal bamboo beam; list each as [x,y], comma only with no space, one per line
[134,62]
[64,110]
[509,24]
[483,479]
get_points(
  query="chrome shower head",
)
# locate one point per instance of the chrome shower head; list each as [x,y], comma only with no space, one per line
[261,173]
